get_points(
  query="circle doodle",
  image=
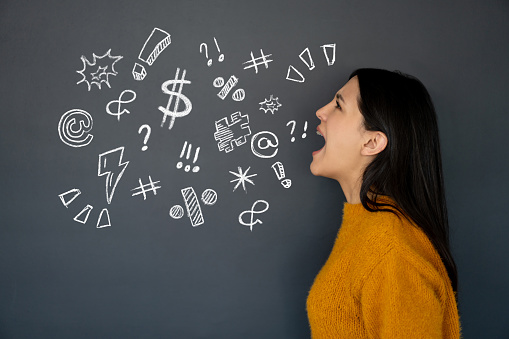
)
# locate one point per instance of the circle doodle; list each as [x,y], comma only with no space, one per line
[74,127]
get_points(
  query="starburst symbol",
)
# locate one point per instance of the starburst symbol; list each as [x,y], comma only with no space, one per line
[272,104]
[103,71]
[242,178]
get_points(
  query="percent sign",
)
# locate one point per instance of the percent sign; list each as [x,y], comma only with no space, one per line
[209,197]
[238,95]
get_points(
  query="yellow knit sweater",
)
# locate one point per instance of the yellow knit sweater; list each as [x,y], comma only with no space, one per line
[383,279]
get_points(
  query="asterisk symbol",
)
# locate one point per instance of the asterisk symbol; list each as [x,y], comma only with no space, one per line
[242,178]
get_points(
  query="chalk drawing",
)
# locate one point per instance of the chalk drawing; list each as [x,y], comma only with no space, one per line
[270,105]
[105,68]
[293,123]
[280,173]
[209,197]
[252,212]
[110,164]
[205,47]
[155,44]
[331,54]
[192,203]
[104,219]
[232,133]
[292,78]
[74,127]
[175,113]
[120,101]
[187,168]
[82,217]
[242,178]
[238,95]
[145,140]
[144,188]
[68,197]
[262,141]
[306,58]
[255,62]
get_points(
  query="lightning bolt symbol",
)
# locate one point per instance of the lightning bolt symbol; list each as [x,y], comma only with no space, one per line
[111,165]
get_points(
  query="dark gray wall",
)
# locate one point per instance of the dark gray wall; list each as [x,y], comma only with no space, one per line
[152,276]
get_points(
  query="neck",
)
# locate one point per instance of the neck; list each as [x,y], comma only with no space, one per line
[351,190]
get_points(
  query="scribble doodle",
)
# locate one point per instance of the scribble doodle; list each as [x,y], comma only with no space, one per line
[280,173]
[331,55]
[187,168]
[99,75]
[270,105]
[74,127]
[306,58]
[145,140]
[262,141]
[110,164]
[291,77]
[144,188]
[238,95]
[175,113]
[176,212]
[255,62]
[232,133]
[252,212]
[119,102]
[104,219]
[242,178]
[68,197]
[209,197]
[82,216]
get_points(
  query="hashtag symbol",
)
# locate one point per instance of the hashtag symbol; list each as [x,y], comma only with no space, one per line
[143,188]
[256,61]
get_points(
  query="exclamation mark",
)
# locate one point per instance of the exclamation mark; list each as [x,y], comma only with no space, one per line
[187,147]
[280,174]
[304,135]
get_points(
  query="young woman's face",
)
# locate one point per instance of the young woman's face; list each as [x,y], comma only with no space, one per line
[343,129]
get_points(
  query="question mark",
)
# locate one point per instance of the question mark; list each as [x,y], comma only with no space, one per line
[293,128]
[209,62]
[142,127]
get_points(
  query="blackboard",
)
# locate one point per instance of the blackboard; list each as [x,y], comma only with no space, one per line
[93,243]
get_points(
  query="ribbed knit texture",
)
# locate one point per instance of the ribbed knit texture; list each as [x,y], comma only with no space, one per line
[383,279]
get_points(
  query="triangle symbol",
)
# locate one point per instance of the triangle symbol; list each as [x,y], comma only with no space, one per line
[82,217]
[66,197]
[104,219]
[291,68]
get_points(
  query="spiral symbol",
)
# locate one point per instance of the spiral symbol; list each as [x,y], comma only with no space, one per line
[74,127]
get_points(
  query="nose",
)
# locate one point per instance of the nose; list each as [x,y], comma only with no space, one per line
[321,113]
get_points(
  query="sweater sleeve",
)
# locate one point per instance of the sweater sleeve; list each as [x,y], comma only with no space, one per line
[402,299]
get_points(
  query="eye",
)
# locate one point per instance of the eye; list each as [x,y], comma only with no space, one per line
[337,105]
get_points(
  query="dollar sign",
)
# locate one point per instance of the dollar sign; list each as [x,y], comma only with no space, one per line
[178,95]
[120,101]
[252,212]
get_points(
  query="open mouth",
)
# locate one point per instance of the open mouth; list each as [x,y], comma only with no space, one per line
[320,134]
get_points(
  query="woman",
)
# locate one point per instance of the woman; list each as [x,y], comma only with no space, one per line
[390,273]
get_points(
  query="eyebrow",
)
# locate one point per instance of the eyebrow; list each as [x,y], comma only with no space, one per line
[339,96]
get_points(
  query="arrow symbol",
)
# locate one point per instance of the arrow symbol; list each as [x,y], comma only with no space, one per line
[111,165]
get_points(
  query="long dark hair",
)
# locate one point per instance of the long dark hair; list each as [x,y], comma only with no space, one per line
[409,169]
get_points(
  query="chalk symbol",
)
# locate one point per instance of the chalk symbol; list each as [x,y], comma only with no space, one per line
[291,77]
[120,101]
[145,140]
[270,105]
[280,174]
[262,141]
[110,163]
[208,197]
[331,55]
[306,58]
[104,219]
[255,62]
[209,61]
[82,216]
[238,95]
[242,178]
[175,113]
[144,188]
[232,133]
[102,73]
[74,127]
[155,44]
[293,123]
[187,168]
[252,212]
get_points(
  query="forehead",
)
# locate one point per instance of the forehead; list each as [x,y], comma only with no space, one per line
[350,91]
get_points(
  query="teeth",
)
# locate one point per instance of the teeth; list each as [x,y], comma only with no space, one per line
[320,134]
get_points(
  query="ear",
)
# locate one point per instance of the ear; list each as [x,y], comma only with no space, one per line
[375,143]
